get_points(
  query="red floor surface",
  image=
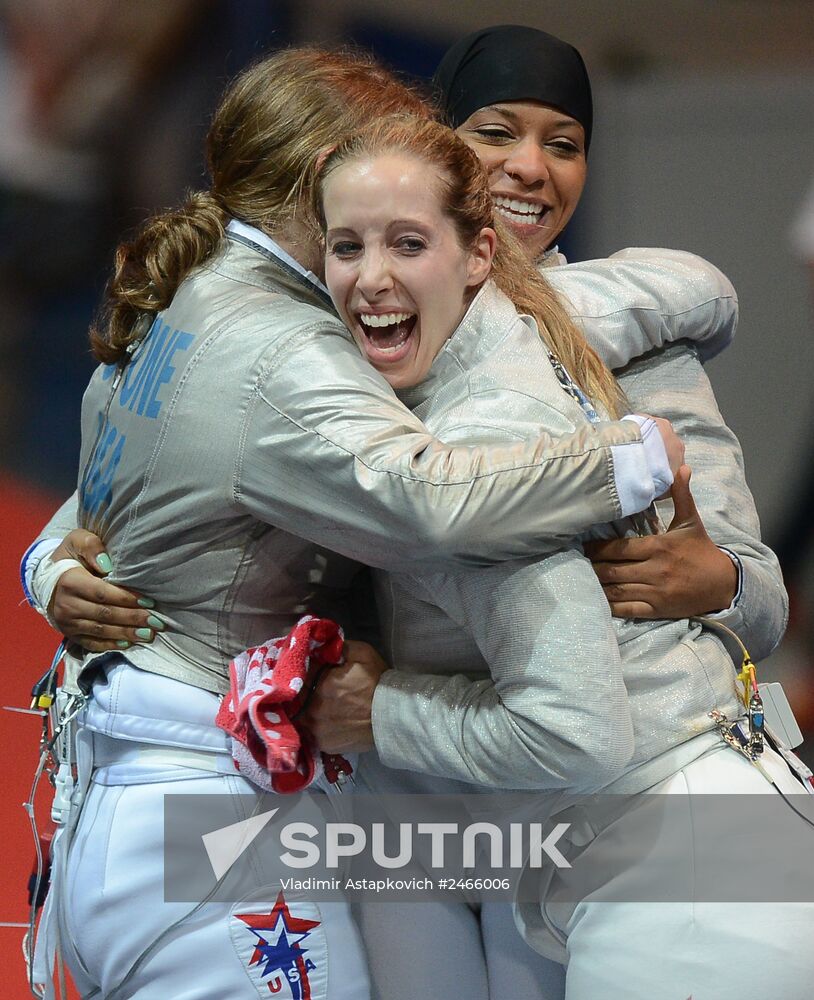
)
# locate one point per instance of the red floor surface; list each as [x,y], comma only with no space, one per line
[26,647]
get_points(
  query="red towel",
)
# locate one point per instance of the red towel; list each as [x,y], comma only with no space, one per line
[269,686]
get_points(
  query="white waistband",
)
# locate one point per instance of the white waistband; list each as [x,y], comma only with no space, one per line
[141,707]
[117,761]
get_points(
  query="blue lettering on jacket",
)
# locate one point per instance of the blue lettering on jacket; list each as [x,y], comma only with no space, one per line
[143,379]
[96,489]
[152,368]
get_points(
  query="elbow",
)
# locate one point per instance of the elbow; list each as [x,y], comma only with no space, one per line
[707,279]
[722,327]
[782,618]
[720,293]
[703,294]
[717,283]
[760,613]
[762,642]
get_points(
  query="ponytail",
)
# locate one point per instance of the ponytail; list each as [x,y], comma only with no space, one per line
[148,271]
[271,123]
[533,295]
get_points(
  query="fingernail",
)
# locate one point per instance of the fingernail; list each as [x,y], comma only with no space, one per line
[156,623]
[104,562]
[146,602]
[144,633]
[122,643]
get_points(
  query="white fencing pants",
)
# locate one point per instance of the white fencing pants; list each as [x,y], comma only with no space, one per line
[439,949]
[703,951]
[112,909]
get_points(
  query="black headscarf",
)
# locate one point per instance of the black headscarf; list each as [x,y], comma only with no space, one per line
[511,63]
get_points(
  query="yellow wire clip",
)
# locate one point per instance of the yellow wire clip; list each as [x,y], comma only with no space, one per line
[747,675]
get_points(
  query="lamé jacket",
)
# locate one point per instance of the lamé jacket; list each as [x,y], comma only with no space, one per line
[515,675]
[247,431]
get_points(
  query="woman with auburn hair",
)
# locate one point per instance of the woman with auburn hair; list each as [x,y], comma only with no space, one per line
[515,675]
[232,410]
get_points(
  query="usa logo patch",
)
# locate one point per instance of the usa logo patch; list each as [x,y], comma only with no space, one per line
[282,948]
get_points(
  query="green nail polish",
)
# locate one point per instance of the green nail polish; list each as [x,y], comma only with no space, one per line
[122,643]
[146,602]
[156,623]
[104,563]
[144,633]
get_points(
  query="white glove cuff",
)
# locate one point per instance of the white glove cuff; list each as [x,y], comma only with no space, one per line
[45,581]
[655,453]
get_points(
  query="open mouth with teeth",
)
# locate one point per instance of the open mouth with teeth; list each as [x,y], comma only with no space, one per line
[521,213]
[387,336]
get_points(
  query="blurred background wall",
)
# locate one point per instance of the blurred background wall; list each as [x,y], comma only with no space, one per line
[704,141]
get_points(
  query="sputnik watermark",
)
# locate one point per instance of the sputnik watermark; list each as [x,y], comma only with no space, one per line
[308,846]
[330,846]
[647,848]
[224,847]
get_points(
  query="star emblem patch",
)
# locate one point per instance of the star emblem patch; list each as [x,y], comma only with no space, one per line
[282,948]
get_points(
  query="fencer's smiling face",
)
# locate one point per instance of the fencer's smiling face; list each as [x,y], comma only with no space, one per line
[535,157]
[394,265]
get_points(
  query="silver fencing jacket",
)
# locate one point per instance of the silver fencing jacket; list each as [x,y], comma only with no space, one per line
[247,430]
[253,429]
[697,308]
[515,675]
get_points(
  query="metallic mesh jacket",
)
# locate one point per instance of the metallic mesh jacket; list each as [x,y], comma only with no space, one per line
[515,675]
[248,430]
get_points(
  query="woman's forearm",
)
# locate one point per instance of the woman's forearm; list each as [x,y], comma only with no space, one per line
[332,456]
[644,298]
